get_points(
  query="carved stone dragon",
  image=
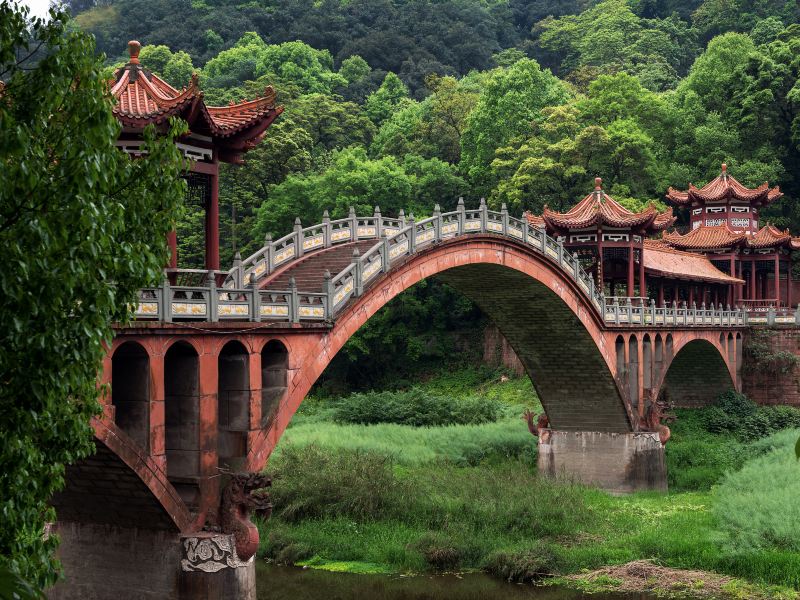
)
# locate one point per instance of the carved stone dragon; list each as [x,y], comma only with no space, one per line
[244,496]
[656,413]
[541,423]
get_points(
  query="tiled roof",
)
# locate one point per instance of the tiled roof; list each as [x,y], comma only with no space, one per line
[724,187]
[534,220]
[598,208]
[144,98]
[722,236]
[662,261]
[705,238]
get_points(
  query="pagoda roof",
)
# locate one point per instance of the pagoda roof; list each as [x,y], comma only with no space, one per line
[724,187]
[143,98]
[722,236]
[598,208]
[663,261]
[534,220]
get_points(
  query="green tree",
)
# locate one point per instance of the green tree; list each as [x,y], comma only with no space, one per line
[511,101]
[176,68]
[82,227]
[390,96]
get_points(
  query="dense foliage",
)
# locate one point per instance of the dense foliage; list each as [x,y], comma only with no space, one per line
[415,407]
[77,220]
[403,104]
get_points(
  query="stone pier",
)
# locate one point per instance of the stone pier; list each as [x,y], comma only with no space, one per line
[104,561]
[618,462]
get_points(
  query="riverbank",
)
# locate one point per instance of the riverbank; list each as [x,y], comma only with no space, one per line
[396,497]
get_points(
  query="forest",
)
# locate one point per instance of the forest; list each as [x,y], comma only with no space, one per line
[408,103]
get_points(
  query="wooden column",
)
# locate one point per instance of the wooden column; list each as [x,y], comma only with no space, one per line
[642,280]
[752,294]
[777,279]
[172,242]
[789,281]
[212,221]
[661,292]
[630,270]
[691,295]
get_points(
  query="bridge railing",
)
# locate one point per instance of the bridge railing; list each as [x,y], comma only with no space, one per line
[239,296]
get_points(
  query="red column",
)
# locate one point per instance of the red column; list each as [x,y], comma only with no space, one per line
[789,282]
[661,292]
[212,224]
[172,242]
[691,294]
[777,280]
[630,270]
[752,280]
[642,280]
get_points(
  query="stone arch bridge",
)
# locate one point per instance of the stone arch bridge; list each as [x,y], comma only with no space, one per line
[206,379]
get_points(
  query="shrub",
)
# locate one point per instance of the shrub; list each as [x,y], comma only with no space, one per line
[415,407]
[309,482]
[523,566]
[440,553]
[736,404]
[757,506]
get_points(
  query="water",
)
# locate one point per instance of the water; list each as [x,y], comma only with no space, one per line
[291,583]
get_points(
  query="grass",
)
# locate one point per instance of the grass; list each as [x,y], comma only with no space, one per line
[462,497]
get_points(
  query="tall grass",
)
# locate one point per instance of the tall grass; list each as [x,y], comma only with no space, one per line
[758,507]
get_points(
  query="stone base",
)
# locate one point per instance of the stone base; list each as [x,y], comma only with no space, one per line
[103,561]
[618,462]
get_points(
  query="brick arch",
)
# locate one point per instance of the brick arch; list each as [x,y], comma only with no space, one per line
[697,373]
[120,485]
[555,331]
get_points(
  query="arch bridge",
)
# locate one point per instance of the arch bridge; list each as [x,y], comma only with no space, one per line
[206,379]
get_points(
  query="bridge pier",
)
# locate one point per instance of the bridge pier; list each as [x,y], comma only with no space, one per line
[105,561]
[618,462]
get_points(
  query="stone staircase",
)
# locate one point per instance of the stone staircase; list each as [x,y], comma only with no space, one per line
[309,271]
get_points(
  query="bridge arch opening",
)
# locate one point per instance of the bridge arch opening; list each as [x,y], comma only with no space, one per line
[633,370]
[697,375]
[233,405]
[274,380]
[130,391]
[182,419]
[658,363]
[622,366]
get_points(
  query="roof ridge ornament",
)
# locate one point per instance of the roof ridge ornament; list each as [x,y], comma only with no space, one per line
[134,46]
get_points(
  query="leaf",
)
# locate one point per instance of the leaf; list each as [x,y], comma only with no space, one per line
[797,449]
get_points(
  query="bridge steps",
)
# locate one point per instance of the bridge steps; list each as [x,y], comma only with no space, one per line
[309,273]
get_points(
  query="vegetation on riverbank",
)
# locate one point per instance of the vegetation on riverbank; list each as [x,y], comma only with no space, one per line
[399,498]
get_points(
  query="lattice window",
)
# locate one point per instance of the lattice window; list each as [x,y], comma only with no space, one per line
[743,223]
[198,189]
[740,209]
[715,209]
[714,222]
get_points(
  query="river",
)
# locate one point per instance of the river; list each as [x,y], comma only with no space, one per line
[291,583]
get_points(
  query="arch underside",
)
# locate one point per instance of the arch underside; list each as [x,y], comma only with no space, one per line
[574,384]
[696,376]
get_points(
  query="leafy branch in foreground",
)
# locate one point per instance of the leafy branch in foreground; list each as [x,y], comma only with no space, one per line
[82,227]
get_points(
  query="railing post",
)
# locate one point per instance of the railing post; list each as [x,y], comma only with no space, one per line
[616,311]
[728,314]
[270,254]
[238,278]
[560,244]
[524,229]
[653,311]
[592,290]
[353,224]
[674,312]
[797,315]
[298,238]
[255,299]
[385,255]
[462,216]
[575,266]
[437,223]
[213,297]
[327,289]
[378,222]
[504,218]
[402,218]
[358,287]
[702,314]
[412,234]
[294,301]
[165,307]
[484,213]
[327,229]
[771,316]
[629,309]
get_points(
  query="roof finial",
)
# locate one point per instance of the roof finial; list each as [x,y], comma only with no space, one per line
[724,169]
[133,50]
[598,183]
